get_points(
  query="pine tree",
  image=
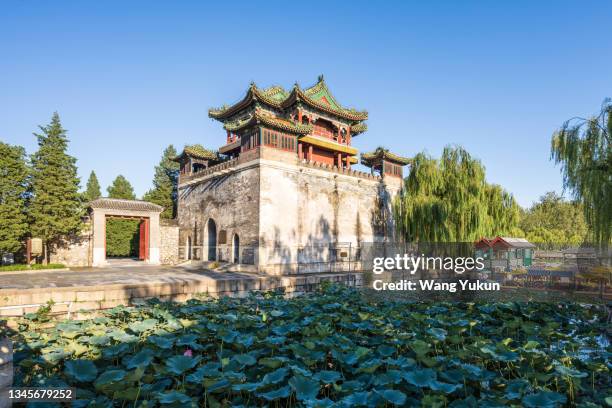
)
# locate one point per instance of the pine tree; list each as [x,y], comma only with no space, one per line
[165,184]
[13,189]
[55,209]
[121,188]
[93,188]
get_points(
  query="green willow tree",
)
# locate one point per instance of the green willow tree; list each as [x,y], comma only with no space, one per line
[121,188]
[583,148]
[165,184]
[448,200]
[55,208]
[13,189]
[92,190]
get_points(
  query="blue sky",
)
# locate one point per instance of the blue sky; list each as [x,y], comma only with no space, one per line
[129,78]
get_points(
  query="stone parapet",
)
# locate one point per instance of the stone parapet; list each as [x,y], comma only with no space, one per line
[76,302]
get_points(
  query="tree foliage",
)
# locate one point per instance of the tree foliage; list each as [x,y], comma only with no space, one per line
[92,191]
[553,220]
[121,234]
[448,200]
[55,209]
[165,184]
[13,189]
[122,237]
[583,148]
[121,188]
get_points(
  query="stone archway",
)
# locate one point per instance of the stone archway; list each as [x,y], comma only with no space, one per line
[148,213]
[211,228]
[236,249]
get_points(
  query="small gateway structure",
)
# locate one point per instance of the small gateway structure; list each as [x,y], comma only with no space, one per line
[149,231]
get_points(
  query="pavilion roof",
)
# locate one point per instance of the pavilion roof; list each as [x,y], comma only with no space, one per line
[258,117]
[369,159]
[197,151]
[358,128]
[317,96]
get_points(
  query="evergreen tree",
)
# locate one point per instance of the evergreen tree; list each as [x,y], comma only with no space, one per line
[93,188]
[448,200]
[121,188]
[55,209]
[165,184]
[13,188]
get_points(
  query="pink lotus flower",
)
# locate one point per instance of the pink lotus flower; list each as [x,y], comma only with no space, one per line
[188,353]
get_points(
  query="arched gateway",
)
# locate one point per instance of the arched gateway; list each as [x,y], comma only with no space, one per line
[149,231]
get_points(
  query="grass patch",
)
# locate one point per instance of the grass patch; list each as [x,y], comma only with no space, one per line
[23,267]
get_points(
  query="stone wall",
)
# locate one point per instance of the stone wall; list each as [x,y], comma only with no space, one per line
[74,250]
[231,201]
[311,215]
[291,215]
[169,242]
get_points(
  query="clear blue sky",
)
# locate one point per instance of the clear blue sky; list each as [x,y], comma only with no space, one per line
[129,78]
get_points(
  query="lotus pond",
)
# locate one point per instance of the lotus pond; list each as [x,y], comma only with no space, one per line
[337,347]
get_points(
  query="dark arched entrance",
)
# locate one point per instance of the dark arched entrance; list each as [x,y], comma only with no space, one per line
[236,249]
[188,247]
[211,226]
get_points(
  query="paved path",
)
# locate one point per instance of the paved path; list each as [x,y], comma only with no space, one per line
[140,275]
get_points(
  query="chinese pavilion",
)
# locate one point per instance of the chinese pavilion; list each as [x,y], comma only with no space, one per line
[280,195]
[309,122]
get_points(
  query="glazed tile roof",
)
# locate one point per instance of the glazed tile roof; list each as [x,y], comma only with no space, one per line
[358,128]
[367,159]
[121,204]
[199,152]
[270,121]
[317,96]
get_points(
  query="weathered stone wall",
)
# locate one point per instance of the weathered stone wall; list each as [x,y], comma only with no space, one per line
[74,250]
[169,242]
[297,216]
[231,200]
[311,215]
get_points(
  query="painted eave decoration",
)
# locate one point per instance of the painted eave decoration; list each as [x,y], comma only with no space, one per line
[258,117]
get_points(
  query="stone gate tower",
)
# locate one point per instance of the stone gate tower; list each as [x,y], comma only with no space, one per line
[280,194]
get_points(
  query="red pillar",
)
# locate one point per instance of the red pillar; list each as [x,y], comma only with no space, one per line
[339,160]
[229,138]
[348,162]
[141,240]
[299,151]
[299,116]
[310,153]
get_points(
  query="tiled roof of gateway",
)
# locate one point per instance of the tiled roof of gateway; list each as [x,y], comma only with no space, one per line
[121,204]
